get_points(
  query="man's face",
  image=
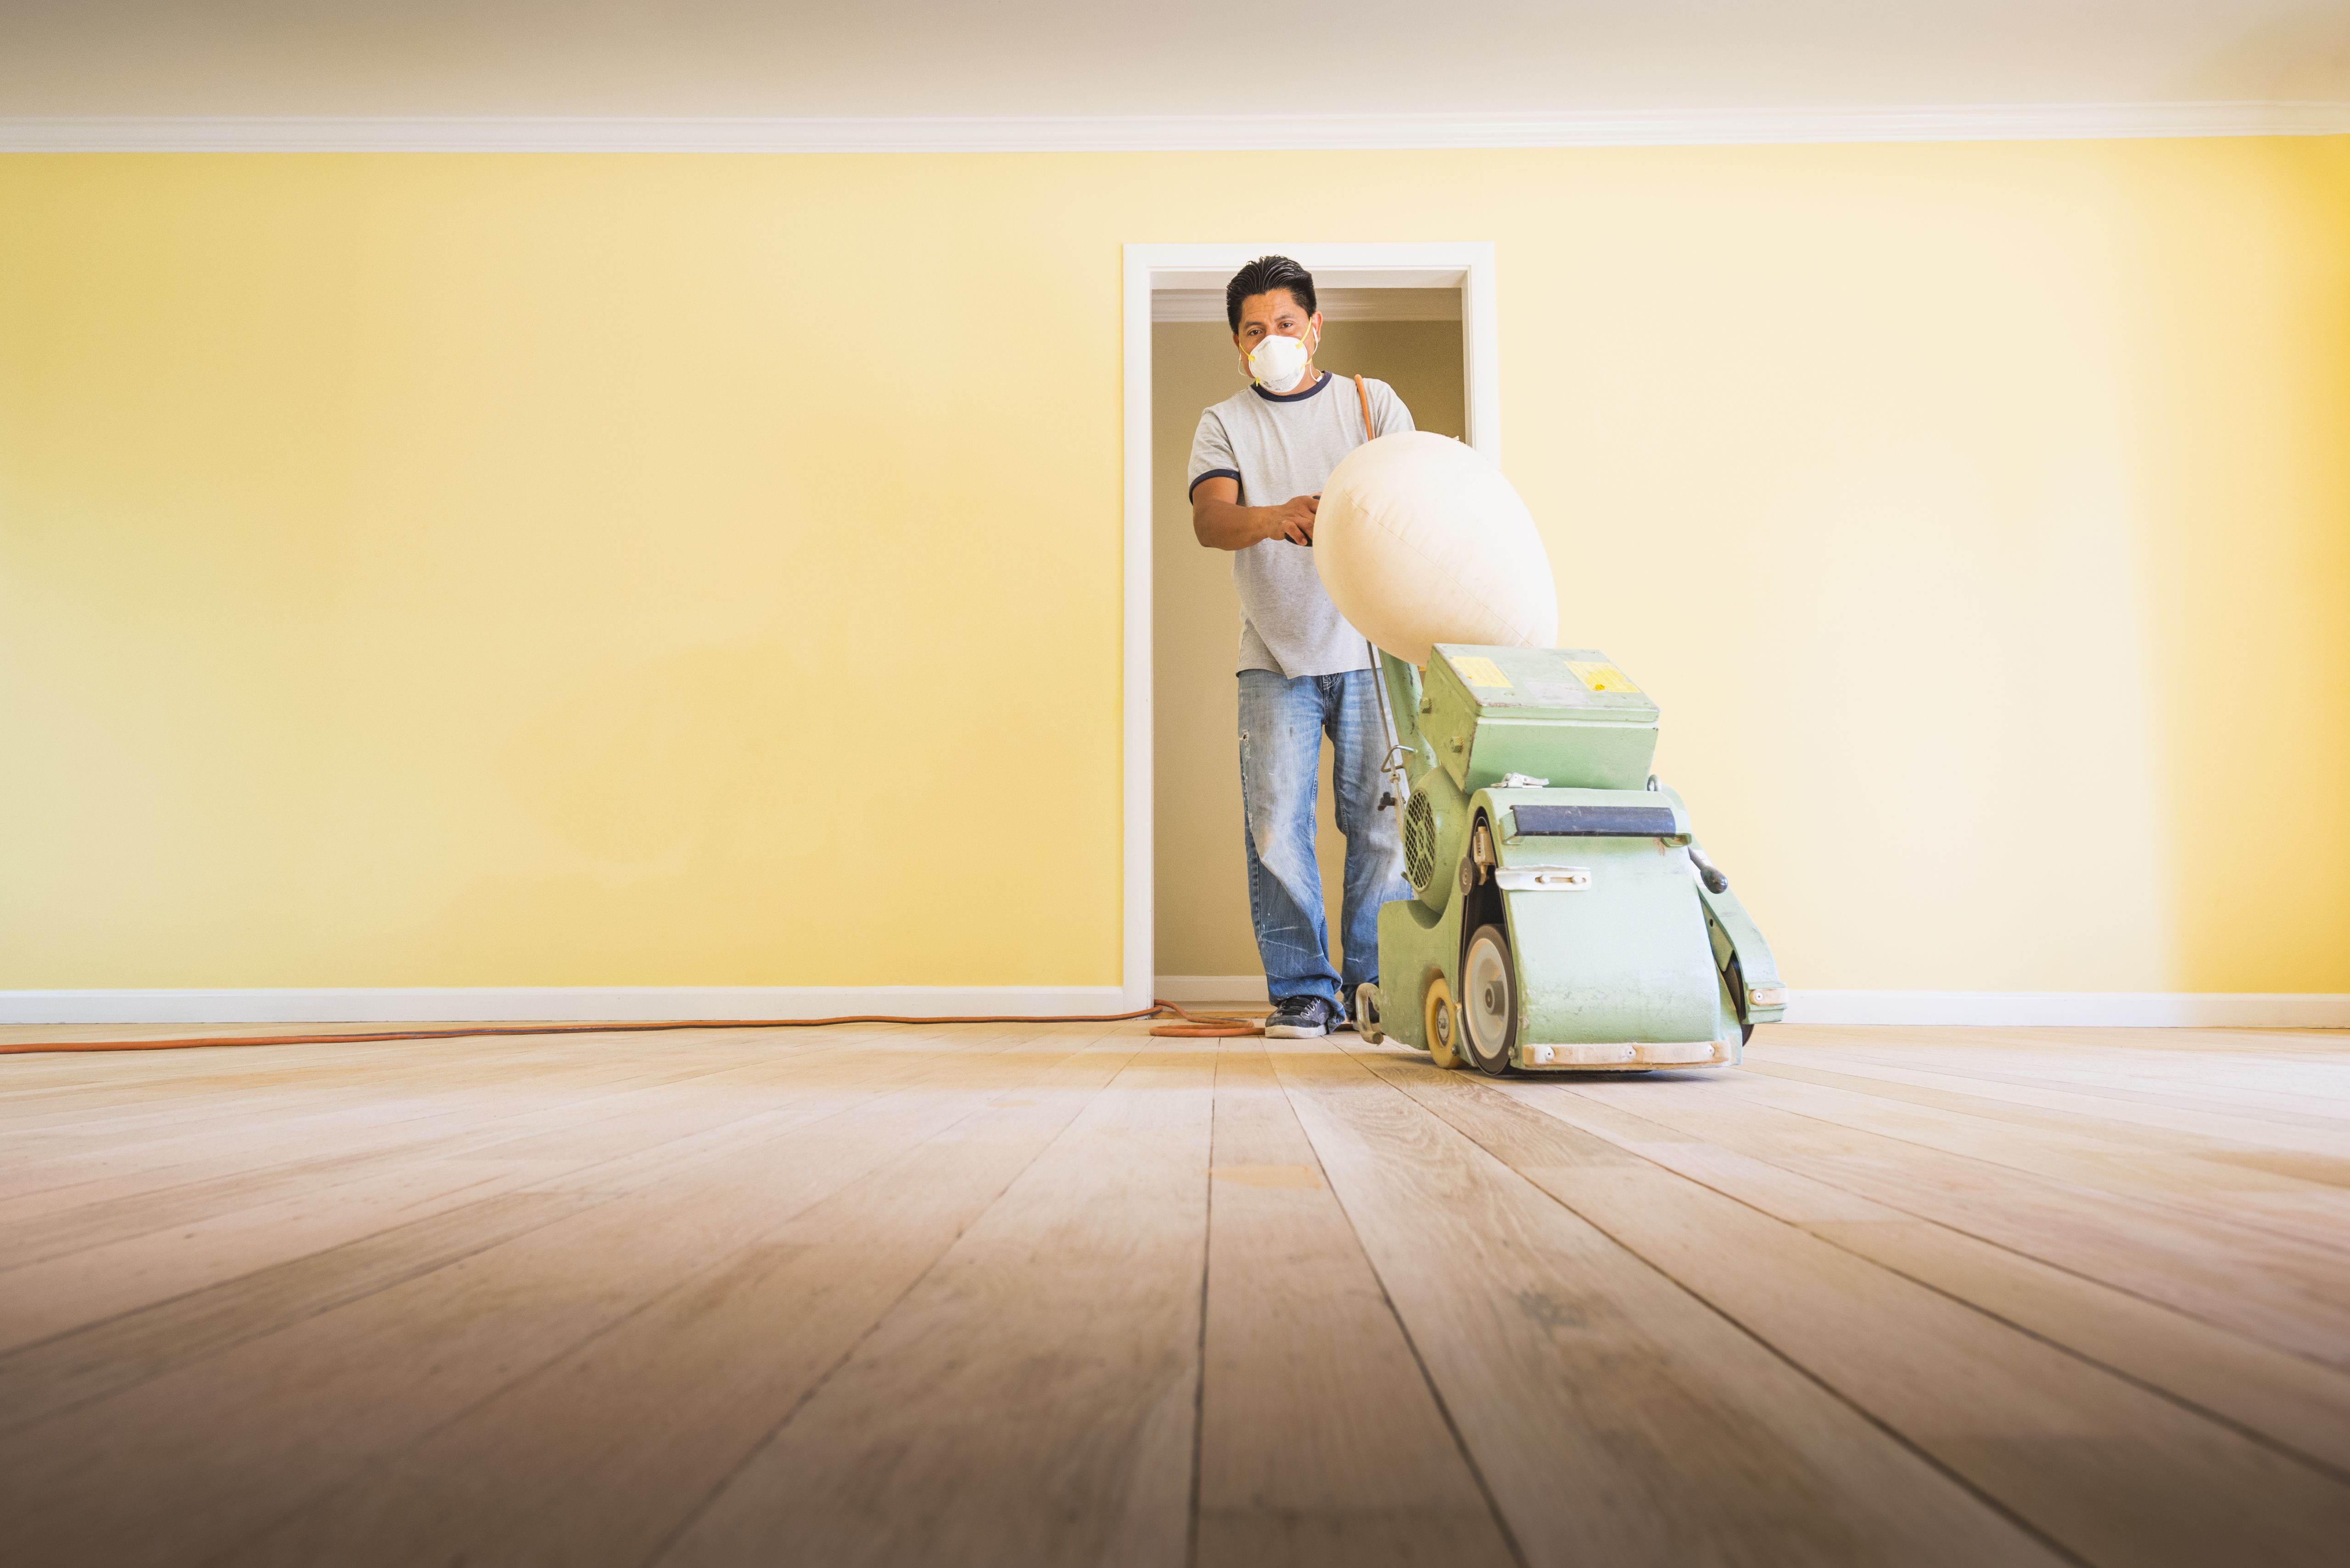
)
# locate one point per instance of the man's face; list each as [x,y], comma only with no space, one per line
[1274,314]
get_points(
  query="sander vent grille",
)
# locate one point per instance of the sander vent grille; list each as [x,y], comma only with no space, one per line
[1420,841]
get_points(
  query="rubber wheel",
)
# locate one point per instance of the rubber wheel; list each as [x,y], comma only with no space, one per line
[1440,1025]
[1488,995]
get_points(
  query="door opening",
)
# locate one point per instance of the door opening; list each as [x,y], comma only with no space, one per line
[1418,317]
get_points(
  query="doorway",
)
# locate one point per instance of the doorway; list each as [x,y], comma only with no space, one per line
[1418,317]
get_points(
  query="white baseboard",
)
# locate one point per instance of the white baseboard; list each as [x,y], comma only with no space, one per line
[556,1003]
[2109,1008]
[1210,987]
[419,1004]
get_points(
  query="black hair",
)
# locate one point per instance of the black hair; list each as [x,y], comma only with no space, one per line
[1263,276]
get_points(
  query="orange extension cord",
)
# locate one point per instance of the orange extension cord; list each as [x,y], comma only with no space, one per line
[1193,1027]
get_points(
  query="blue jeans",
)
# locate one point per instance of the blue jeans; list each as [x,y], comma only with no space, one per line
[1283,720]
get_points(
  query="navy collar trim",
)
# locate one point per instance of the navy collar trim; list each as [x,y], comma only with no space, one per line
[1293,397]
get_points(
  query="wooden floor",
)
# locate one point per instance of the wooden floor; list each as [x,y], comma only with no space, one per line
[1015,1296]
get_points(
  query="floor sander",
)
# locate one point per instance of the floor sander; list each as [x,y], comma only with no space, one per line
[1564,916]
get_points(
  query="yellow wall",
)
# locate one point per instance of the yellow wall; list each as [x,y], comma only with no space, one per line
[1200,878]
[693,570]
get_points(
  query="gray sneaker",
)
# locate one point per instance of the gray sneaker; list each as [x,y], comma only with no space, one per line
[1301,1018]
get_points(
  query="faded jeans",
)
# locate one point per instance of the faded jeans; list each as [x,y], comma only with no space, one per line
[1282,723]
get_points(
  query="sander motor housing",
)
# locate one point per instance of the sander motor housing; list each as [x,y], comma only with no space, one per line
[1565,915]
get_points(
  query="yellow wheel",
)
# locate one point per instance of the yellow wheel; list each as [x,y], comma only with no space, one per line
[1440,1025]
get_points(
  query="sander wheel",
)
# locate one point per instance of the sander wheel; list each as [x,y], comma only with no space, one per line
[1440,1025]
[1489,1002]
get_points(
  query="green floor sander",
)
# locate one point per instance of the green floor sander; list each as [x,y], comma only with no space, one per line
[1565,916]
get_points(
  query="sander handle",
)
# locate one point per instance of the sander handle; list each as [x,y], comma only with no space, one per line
[1393,763]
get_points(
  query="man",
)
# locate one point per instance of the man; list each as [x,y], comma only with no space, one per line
[1258,463]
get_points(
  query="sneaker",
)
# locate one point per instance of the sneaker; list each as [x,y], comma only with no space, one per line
[1301,1018]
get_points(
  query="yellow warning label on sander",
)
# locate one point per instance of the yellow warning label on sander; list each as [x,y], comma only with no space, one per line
[1478,671]
[1601,677]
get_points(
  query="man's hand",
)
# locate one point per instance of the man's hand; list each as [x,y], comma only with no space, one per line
[1293,519]
[1221,522]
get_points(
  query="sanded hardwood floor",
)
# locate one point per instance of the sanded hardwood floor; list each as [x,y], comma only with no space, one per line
[1067,1294]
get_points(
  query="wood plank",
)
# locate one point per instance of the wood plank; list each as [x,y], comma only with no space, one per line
[623,1140]
[2064,1148]
[2266,1392]
[2262,1390]
[60,1296]
[1032,1400]
[603,1454]
[295,1079]
[2212,1093]
[2252,1283]
[2290,1239]
[1321,1441]
[1615,1418]
[2300,1079]
[41,1381]
[2099,1465]
[488,1115]
[299,1087]
[188,1461]
[2313,1153]
[2176,1162]
[2299,1407]
[363,1110]
[313,1087]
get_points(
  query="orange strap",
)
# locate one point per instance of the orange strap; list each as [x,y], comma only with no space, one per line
[1364,394]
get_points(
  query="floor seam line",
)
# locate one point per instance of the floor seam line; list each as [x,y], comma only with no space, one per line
[1200,1370]
[1443,1407]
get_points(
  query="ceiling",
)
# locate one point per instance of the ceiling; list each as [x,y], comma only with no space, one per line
[1095,57]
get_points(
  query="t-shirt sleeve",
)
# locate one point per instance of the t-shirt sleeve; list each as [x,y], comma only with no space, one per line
[1211,454]
[1389,409]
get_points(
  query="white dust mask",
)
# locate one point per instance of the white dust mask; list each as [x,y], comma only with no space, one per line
[1279,363]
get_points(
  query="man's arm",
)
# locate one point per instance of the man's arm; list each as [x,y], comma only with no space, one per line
[1220,521]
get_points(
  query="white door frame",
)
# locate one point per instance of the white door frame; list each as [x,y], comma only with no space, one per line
[1467,266]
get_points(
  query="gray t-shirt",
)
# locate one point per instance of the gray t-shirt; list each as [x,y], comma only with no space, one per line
[1279,446]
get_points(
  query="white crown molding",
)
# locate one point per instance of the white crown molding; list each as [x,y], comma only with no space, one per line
[1168,133]
[552,1003]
